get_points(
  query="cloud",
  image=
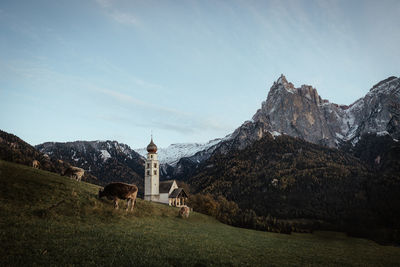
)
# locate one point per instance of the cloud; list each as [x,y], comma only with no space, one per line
[167,118]
[112,69]
[124,18]
[124,98]
[104,3]
[155,115]
[114,13]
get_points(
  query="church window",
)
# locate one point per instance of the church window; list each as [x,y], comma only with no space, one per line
[155,165]
[148,172]
[151,156]
[148,165]
[155,172]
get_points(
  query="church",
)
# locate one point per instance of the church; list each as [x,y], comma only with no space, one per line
[166,192]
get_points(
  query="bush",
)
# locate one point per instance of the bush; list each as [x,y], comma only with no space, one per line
[228,212]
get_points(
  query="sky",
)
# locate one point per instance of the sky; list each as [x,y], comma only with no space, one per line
[186,71]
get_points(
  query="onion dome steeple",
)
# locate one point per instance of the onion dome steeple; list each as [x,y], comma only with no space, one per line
[152,148]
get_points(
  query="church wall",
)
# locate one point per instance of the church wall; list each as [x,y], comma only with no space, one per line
[173,186]
[164,198]
[155,198]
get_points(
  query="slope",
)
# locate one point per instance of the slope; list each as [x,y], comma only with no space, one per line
[109,161]
[289,178]
[14,149]
[46,219]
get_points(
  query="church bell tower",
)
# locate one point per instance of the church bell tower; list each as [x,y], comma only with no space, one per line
[152,174]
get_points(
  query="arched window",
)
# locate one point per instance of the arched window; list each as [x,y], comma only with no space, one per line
[155,172]
[155,165]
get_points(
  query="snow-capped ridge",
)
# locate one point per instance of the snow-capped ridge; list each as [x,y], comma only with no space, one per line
[174,152]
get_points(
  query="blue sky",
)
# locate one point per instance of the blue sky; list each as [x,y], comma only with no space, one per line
[189,71]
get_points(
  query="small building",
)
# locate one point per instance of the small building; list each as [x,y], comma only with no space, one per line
[166,192]
[166,188]
[171,194]
[178,198]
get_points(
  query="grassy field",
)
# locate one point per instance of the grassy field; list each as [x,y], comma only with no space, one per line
[46,219]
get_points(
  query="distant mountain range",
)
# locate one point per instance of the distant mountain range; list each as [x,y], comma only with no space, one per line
[173,153]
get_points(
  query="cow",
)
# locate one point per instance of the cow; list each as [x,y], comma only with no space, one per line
[35,164]
[117,191]
[184,212]
[74,172]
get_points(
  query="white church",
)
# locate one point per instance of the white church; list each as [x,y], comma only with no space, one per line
[166,192]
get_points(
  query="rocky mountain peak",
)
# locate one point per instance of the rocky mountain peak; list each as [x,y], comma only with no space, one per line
[391,79]
[282,83]
[301,112]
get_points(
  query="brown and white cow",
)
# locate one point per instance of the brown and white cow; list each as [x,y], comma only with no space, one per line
[117,191]
[74,173]
[184,212]
[35,164]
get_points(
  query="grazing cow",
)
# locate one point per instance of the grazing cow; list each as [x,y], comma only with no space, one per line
[184,212]
[117,191]
[74,172]
[35,164]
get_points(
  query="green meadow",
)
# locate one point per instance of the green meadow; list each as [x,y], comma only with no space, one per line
[46,219]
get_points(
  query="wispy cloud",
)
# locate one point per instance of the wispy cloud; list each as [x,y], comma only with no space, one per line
[112,69]
[117,15]
[125,98]
[123,18]
[168,118]
[187,126]
[104,3]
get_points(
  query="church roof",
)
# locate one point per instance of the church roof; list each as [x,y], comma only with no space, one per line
[152,148]
[178,192]
[165,186]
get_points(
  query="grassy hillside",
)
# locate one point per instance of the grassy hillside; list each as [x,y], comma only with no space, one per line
[46,219]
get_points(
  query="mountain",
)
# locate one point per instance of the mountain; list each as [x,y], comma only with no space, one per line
[285,177]
[14,149]
[178,160]
[291,179]
[302,113]
[302,157]
[109,161]
[174,152]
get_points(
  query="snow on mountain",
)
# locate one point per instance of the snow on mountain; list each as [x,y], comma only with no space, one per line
[86,154]
[301,112]
[108,161]
[105,155]
[174,152]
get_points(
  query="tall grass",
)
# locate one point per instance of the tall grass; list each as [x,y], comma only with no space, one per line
[46,219]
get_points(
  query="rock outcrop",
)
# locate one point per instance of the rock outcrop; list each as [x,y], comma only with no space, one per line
[301,112]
